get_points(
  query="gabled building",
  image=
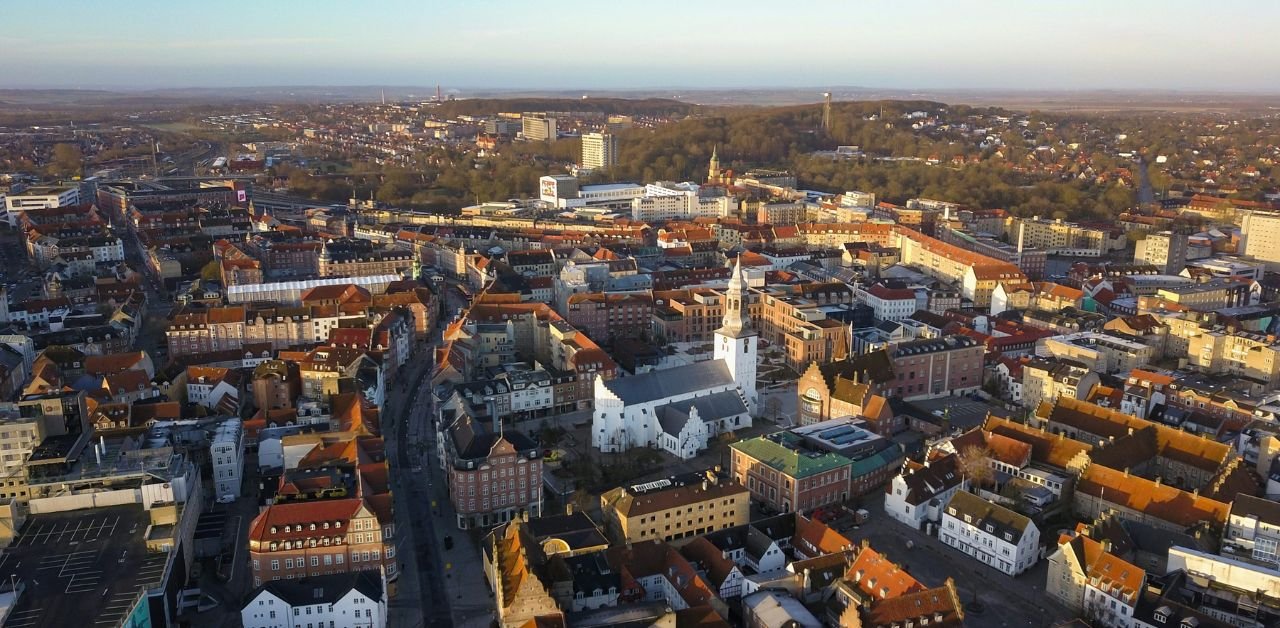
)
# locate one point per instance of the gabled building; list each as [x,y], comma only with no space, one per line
[917,495]
[992,534]
[1087,578]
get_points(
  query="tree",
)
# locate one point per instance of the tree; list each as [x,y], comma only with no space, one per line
[211,271]
[67,160]
[975,464]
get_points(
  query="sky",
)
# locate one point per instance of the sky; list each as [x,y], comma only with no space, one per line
[1226,45]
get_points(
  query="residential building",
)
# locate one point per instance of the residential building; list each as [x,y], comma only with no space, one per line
[915,496]
[674,510]
[936,367]
[357,598]
[1057,237]
[990,533]
[1165,250]
[226,452]
[1099,352]
[1049,380]
[1260,237]
[1087,578]
[1253,529]
[599,150]
[494,476]
[606,317]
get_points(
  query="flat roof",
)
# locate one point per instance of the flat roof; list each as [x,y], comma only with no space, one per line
[81,566]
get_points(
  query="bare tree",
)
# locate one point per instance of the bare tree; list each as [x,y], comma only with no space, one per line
[975,464]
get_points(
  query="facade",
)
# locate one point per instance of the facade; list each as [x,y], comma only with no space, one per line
[599,150]
[890,304]
[1087,578]
[294,540]
[1047,380]
[674,510]
[1253,529]
[1260,235]
[1057,237]
[936,367]
[538,128]
[916,495]
[226,451]
[37,198]
[494,477]
[1165,250]
[351,599]
[992,534]
[606,317]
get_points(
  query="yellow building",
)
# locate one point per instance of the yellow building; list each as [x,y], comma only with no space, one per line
[674,510]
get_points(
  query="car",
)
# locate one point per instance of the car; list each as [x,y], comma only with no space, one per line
[448,542]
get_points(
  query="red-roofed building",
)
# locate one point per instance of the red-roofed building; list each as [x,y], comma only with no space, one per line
[312,538]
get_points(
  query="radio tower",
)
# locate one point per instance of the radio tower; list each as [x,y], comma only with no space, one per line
[826,111]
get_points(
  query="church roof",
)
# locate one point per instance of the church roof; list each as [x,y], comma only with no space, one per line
[672,382]
[672,417]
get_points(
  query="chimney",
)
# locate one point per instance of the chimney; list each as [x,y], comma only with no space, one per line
[568,508]
[525,516]
[705,484]
[1106,545]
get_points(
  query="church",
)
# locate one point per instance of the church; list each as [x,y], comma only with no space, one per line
[680,409]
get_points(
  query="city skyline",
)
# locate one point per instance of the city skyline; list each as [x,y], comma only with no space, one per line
[561,45]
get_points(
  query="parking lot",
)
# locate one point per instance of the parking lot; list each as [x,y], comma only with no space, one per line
[1005,601]
[79,569]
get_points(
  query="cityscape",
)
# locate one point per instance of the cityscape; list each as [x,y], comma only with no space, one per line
[307,330]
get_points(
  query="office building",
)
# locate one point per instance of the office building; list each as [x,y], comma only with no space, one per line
[599,150]
[37,198]
[538,128]
[674,509]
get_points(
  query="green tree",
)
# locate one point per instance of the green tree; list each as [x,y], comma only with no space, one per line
[211,271]
[67,160]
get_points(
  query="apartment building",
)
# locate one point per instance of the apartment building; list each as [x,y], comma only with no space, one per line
[1260,232]
[599,150]
[674,510]
[226,452]
[1165,250]
[936,367]
[976,274]
[989,533]
[537,128]
[606,317]
[807,321]
[1222,351]
[1049,380]
[1103,353]
[494,476]
[362,261]
[34,199]
[1058,237]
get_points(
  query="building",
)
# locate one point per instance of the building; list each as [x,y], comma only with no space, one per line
[800,470]
[936,367]
[1253,529]
[890,304]
[916,495]
[1047,380]
[538,128]
[681,408]
[1057,237]
[1260,237]
[299,539]
[674,510]
[357,598]
[996,536]
[34,199]
[1165,250]
[226,452]
[599,150]
[1099,352]
[1087,578]
[494,476]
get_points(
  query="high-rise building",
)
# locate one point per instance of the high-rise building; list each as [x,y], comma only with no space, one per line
[599,150]
[538,128]
[1261,234]
[1166,250]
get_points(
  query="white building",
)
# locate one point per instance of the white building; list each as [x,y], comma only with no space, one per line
[37,198]
[890,304]
[1260,232]
[668,201]
[681,408]
[599,150]
[992,534]
[226,451]
[1253,529]
[916,496]
[349,599]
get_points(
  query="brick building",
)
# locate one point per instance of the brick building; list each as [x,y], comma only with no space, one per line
[311,538]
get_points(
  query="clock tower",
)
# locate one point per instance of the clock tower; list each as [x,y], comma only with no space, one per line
[736,341]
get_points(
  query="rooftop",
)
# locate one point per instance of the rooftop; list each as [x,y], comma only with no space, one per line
[81,566]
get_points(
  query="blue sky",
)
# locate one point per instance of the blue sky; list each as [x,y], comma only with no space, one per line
[1198,46]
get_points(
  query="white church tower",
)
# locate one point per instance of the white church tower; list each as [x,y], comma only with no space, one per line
[736,341]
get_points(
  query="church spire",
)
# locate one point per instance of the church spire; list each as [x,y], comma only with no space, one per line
[737,320]
[713,169]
